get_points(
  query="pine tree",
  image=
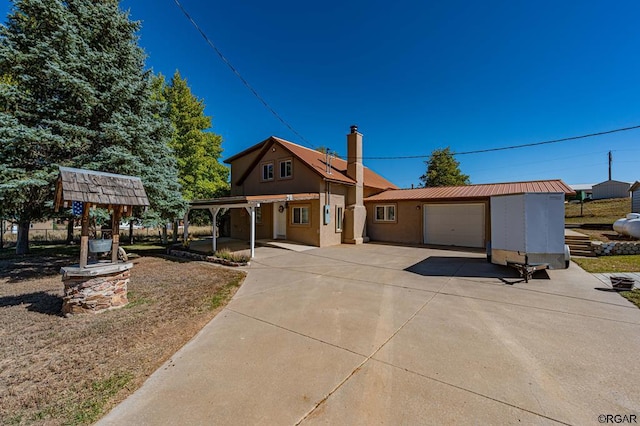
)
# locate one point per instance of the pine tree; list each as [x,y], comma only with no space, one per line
[75,93]
[443,170]
[197,149]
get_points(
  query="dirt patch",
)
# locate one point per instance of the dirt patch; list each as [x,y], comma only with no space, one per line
[56,370]
[605,236]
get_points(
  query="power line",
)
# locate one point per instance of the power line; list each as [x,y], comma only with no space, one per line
[504,148]
[237,73]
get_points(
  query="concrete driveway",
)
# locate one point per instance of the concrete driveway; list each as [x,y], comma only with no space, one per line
[381,334]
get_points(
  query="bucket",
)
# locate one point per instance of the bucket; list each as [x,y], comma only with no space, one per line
[100,246]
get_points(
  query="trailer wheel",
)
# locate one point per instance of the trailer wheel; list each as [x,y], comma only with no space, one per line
[567,263]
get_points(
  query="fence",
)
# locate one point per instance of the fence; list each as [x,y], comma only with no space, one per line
[9,237]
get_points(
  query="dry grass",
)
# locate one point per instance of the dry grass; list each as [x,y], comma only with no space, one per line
[599,211]
[56,370]
[605,236]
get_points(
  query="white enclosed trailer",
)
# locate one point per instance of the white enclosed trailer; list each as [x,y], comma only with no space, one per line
[527,232]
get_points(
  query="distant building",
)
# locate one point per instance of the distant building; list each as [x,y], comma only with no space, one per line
[584,191]
[611,189]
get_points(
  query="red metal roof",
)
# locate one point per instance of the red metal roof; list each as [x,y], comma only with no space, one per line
[472,191]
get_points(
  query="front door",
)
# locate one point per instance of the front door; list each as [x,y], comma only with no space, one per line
[279,221]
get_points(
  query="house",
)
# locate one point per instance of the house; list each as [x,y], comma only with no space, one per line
[635,197]
[611,189]
[303,195]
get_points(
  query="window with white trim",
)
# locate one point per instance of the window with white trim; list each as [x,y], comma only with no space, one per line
[386,213]
[286,169]
[338,218]
[267,171]
[300,215]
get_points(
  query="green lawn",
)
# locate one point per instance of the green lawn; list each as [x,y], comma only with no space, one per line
[632,296]
[623,263]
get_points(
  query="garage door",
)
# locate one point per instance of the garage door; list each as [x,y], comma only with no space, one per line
[454,224]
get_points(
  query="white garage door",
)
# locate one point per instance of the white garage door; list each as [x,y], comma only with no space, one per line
[454,224]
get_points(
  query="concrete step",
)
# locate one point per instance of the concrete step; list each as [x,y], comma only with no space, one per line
[584,253]
[579,246]
[578,243]
[577,239]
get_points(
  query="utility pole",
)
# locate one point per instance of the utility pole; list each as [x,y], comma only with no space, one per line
[610,160]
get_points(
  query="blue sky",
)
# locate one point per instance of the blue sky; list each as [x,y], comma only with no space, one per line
[416,76]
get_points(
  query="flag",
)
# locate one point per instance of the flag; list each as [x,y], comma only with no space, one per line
[77,207]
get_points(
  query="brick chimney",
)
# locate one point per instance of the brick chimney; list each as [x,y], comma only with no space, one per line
[355,212]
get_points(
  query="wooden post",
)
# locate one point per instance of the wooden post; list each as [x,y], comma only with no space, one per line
[185,235]
[84,236]
[115,233]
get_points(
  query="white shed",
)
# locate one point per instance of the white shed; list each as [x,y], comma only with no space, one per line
[635,197]
[611,189]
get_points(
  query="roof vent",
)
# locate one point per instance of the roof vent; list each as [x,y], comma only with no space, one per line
[354,129]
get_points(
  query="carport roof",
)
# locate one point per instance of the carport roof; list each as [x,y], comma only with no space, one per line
[245,200]
[473,191]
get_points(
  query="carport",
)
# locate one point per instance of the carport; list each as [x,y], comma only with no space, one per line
[247,202]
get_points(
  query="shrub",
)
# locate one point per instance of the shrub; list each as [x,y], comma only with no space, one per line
[227,254]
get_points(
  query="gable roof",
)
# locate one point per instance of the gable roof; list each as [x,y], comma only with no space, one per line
[316,161]
[472,191]
[636,185]
[612,181]
[99,188]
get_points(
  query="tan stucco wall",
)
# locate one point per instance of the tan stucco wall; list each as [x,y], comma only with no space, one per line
[408,227]
[306,234]
[238,167]
[240,224]
[303,180]
[329,236]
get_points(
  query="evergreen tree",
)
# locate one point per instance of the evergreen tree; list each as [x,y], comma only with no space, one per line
[197,149]
[75,93]
[443,170]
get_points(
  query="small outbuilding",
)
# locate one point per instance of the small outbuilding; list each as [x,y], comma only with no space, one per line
[610,189]
[635,197]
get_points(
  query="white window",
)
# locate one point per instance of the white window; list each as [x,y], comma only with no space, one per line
[386,213]
[267,171]
[286,169]
[338,218]
[300,215]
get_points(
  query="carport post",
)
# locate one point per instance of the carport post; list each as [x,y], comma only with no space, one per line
[214,213]
[252,213]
